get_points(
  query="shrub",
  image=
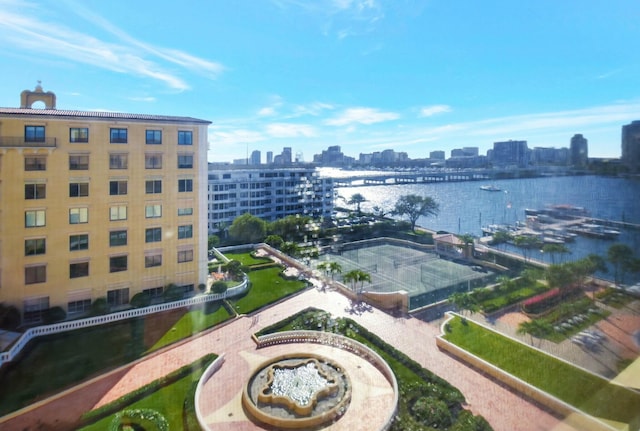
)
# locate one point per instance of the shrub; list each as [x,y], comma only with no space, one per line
[99,307]
[53,315]
[140,299]
[202,287]
[173,293]
[219,287]
[432,411]
[9,317]
[139,419]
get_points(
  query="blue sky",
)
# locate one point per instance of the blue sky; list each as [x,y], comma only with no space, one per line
[368,75]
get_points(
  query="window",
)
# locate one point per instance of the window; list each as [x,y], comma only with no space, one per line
[78,189]
[118,212]
[78,162]
[34,133]
[118,136]
[185,137]
[153,161]
[78,215]
[154,292]
[35,163]
[153,211]
[35,274]
[35,246]
[78,269]
[152,260]
[118,263]
[34,308]
[185,256]
[153,186]
[34,218]
[118,297]
[118,161]
[79,307]
[185,231]
[188,288]
[185,161]
[185,185]
[185,211]
[154,137]
[153,234]
[35,191]
[79,242]
[117,188]
[117,238]
[79,134]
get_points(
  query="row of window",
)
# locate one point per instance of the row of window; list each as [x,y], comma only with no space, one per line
[116,135]
[80,162]
[35,307]
[37,246]
[116,188]
[80,215]
[34,274]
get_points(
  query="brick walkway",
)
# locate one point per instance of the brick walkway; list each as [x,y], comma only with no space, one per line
[503,409]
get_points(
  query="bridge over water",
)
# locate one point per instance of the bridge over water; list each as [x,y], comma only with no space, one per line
[394,178]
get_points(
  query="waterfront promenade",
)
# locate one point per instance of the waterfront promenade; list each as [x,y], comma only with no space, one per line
[503,409]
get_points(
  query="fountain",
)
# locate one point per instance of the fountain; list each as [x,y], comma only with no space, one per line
[297,391]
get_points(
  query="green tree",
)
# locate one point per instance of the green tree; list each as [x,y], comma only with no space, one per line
[219,287]
[357,199]
[9,317]
[274,241]
[554,250]
[334,268]
[290,248]
[212,241]
[463,301]
[526,243]
[500,237]
[621,257]
[537,328]
[234,268]
[357,278]
[290,228]
[248,228]
[414,206]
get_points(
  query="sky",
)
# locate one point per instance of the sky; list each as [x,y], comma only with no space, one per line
[368,75]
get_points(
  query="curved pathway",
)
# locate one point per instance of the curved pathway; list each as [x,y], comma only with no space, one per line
[503,409]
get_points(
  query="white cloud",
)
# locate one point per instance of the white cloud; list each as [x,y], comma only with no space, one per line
[267,111]
[367,116]
[428,111]
[22,31]
[219,137]
[288,130]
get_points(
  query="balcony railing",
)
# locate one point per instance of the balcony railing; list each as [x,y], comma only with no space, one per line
[21,142]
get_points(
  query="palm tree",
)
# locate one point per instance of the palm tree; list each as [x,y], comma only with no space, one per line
[356,276]
[555,249]
[464,301]
[357,199]
[334,268]
[535,328]
[621,257]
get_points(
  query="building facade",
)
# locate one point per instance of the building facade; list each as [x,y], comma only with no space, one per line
[579,151]
[510,153]
[98,205]
[631,146]
[268,192]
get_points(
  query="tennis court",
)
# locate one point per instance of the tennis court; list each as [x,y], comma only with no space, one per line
[394,266]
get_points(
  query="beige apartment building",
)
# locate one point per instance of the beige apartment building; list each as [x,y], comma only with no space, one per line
[98,205]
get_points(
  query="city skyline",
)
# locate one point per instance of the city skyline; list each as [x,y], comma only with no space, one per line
[413,76]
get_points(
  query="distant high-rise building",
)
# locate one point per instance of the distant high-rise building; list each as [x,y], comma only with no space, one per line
[511,153]
[286,158]
[631,146]
[255,157]
[269,157]
[579,151]
[437,155]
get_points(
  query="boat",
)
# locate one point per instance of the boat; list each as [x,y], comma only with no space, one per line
[595,231]
[490,188]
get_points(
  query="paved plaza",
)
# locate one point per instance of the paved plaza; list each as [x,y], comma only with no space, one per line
[504,409]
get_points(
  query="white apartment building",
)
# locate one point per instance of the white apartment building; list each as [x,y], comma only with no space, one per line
[266,191]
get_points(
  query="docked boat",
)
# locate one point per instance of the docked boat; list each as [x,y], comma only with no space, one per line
[490,188]
[595,231]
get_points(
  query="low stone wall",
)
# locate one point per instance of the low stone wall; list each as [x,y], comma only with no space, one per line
[573,416]
[343,343]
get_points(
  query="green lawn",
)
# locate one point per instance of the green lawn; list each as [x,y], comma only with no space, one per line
[197,320]
[247,259]
[585,391]
[267,286]
[169,401]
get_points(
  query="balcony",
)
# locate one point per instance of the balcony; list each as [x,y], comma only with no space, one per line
[21,142]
